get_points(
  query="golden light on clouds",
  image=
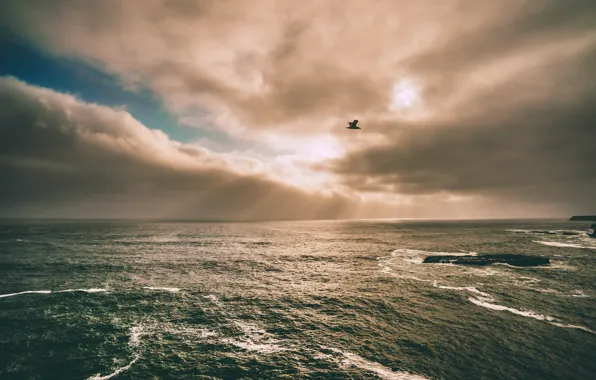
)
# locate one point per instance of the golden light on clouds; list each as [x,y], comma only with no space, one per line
[458,99]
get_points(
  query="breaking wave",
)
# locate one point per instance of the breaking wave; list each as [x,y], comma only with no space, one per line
[487,301]
[350,359]
[134,341]
[564,245]
[91,290]
[171,290]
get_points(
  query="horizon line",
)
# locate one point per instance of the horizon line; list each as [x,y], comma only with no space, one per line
[210,220]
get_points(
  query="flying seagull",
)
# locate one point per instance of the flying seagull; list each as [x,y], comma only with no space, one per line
[352,124]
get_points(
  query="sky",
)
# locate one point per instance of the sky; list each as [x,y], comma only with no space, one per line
[237,109]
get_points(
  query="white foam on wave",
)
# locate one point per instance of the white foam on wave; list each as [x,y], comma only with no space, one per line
[351,359]
[134,341]
[117,371]
[527,313]
[487,301]
[524,313]
[255,339]
[578,293]
[171,290]
[574,293]
[263,348]
[531,283]
[563,245]
[92,290]
[480,295]
[407,251]
[213,298]
[551,265]
[194,332]
[529,280]
[548,232]
[26,292]
[413,278]
[413,256]
[135,335]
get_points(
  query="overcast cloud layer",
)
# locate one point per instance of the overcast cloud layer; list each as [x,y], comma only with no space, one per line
[498,112]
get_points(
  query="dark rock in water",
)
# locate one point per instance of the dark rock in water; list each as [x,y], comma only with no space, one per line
[587,218]
[567,233]
[511,259]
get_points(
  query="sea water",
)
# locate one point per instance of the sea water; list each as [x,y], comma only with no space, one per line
[294,300]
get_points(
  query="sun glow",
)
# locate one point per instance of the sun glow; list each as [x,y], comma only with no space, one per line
[405,95]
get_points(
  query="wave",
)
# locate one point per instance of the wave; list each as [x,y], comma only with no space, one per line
[404,263]
[117,371]
[255,339]
[213,298]
[26,292]
[487,301]
[414,256]
[552,265]
[527,313]
[407,251]
[563,245]
[549,232]
[480,295]
[92,290]
[574,293]
[171,290]
[134,341]
[351,359]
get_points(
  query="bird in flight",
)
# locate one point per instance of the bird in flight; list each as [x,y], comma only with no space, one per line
[352,124]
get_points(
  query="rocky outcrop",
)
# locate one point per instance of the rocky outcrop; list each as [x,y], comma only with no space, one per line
[585,218]
[517,260]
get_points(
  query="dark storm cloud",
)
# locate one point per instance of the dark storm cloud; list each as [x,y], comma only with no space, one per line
[62,157]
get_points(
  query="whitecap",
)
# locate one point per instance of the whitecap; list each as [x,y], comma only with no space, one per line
[263,348]
[193,332]
[117,371]
[351,359]
[526,313]
[135,336]
[255,339]
[171,290]
[411,278]
[26,292]
[575,293]
[134,341]
[562,245]
[91,290]
[480,295]
[407,251]
[213,298]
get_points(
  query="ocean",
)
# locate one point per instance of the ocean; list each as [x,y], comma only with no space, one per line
[294,300]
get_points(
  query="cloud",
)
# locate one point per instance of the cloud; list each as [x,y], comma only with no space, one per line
[267,65]
[528,139]
[503,116]
[61,157]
